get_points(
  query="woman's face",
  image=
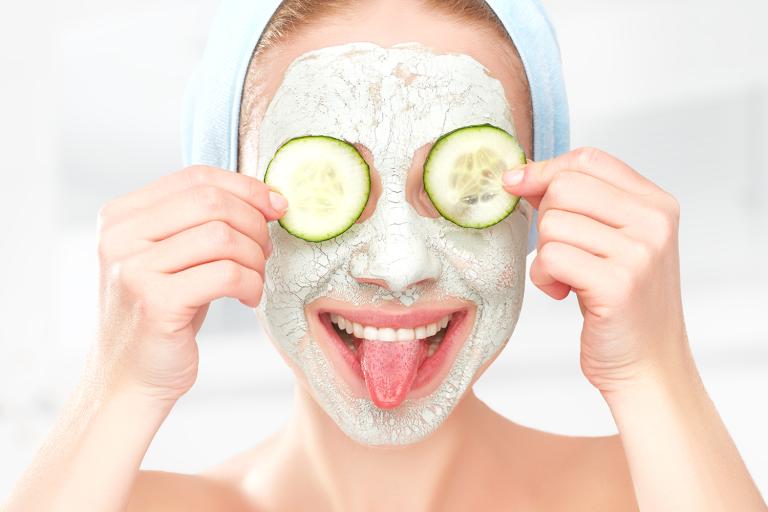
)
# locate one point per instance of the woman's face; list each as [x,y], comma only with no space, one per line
[401,268]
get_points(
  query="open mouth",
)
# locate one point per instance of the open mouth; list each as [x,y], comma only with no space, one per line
[394,356]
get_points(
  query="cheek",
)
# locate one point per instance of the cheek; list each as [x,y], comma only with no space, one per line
[492,264]
[297,268]
[290,277]
[491,260]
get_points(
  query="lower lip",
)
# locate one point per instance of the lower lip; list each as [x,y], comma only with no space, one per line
[429,368]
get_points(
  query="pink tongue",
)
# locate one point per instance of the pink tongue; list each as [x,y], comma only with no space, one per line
[389,368]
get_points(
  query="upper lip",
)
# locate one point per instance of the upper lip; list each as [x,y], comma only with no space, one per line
[390,315]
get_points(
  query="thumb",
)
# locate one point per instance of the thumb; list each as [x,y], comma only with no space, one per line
[527,181]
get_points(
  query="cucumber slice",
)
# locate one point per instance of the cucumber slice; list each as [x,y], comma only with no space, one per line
[462,175]
[326,182]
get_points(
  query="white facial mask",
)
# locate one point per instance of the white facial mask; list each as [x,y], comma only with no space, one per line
[393,101]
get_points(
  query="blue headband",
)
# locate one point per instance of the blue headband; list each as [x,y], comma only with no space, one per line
[211,114]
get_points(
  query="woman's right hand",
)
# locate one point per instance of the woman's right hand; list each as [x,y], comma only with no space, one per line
[165,252]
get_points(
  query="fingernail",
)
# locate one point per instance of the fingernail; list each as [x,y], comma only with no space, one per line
[512,178]
[277,201]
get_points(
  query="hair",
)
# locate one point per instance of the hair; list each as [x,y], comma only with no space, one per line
[293,15]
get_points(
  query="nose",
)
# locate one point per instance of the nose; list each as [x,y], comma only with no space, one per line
[397,256]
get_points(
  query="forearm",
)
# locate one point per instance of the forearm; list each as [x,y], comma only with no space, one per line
[91,457]
[680,454]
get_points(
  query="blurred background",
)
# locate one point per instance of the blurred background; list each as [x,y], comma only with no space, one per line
[90,108]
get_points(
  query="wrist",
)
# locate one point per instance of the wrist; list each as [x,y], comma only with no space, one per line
[136,398]
[104,392]
[675,443]
[107,380]
[670,379]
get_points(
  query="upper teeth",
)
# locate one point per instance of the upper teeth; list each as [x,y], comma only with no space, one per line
[388,333]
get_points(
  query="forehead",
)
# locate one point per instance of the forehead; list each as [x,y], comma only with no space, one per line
[392,100]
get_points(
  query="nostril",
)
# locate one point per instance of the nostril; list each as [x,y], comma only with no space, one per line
[375,282]
[370,280]
[422,282]
[386,285]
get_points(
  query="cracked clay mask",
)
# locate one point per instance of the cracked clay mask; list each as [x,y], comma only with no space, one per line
[393,101]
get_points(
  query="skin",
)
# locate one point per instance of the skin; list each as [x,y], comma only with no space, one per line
[607,234]
[397,247]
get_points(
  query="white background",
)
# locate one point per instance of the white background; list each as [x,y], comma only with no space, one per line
[89,110]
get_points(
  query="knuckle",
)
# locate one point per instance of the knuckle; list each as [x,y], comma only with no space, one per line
[209,198]
[259,258]
[558,189]
[196,174]
[258,290]
[219,233]
[547,255]
[642,254]
[587,156]
[673,206]
[255,189]
[262,237]
[548,224]
[663,225]
[126,274]
[261,223]
[231,273]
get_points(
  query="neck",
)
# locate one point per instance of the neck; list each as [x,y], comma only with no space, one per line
[412,477]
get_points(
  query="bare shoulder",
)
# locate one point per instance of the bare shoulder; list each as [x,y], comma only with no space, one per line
[221,487]
[598,473]
[572,472]
[168,492]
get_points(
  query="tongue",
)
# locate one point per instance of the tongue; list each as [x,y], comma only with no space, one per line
[389,368]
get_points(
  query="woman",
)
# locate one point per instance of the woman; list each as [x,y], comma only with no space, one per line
[372,428]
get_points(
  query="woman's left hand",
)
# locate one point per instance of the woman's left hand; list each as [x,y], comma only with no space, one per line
[610,235]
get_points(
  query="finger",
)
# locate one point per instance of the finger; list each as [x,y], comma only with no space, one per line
[247,188]
[537,176]
[199,285]
[559,266]
[579,231]
[215,240]
[580,193]
[554,289]
[193,207]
